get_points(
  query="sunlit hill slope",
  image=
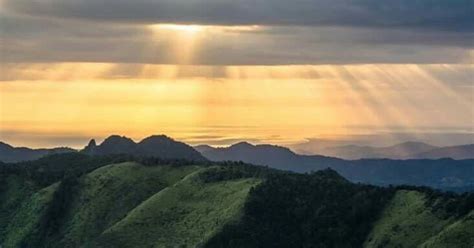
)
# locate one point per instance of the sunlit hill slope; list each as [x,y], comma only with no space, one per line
[78,200]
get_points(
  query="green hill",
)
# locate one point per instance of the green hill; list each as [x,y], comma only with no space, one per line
[14,192]
[25,217]
[74,200]
[406,222]
[458,234]
[184,215]
[411,219]
[106,195]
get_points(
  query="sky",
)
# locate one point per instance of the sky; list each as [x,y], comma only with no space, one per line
[222,71]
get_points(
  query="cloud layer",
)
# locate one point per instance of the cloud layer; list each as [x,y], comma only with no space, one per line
[293,32]
[454,15]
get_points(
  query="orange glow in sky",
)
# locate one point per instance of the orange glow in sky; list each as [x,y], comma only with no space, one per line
[197,104]
[220,104]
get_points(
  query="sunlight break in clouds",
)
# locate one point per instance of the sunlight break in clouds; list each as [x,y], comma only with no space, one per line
[278,104]
[233,70]
[185,39]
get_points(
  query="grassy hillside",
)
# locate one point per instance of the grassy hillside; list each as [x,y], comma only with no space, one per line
[411,220]
[406,222]
[184,215]
[75,200]
[107,194]
[459,234]
[108,202]
[14,190]
[24,221]
[316,210]
[99,199]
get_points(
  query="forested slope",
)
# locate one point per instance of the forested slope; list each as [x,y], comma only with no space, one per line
[75,200]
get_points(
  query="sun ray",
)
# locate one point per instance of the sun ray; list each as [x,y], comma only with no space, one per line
[185,101]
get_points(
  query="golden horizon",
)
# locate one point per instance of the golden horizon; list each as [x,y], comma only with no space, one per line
[281,104]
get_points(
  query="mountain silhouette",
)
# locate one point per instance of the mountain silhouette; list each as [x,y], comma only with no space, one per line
[10,154]
[439,173]
[399,151]
[270,155]
[154,146]
[454,152]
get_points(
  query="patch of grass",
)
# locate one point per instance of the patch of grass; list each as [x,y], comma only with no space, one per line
[183,215]
[406,222]
[14,190]
[107,194]
[460,234]
[23,223]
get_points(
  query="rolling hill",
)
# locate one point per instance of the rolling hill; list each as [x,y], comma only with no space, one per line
[75,200]
[455,152]
[446,174]
[441,173]
[277,157]
[404,150]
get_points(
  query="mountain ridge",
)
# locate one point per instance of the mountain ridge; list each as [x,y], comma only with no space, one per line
[457,152]
[404,150]
[216,205]
[446,174]
[440,173]
[9,153]
[153,146]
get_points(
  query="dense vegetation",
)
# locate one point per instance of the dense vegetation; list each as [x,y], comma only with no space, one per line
[73,200]
[317,210]
[53,168]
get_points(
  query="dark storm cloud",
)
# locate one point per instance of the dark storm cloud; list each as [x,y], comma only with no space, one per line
[300,32]
[452,15]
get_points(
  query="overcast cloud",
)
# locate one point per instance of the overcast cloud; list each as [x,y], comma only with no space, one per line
[453,15]
[295,32]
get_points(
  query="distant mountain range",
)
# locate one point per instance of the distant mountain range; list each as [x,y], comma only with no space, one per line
[165,147]
[406,150]
[277,157]
[455,152]
[398,151]
[439,173]
[10,154]
[154,146]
